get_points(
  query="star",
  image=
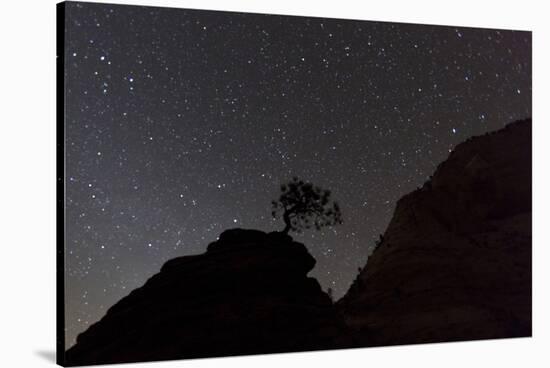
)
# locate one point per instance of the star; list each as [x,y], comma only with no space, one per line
[178,127]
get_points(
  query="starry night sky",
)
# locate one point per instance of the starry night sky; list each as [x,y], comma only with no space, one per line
[181,124]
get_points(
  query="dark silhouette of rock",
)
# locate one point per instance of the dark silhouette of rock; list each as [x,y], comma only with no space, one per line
[455,261]
[248,294]
[454,264]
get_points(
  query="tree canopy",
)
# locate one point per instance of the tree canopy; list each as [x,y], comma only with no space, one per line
[303,205]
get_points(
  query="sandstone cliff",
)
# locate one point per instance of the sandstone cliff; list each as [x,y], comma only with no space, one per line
[248,294]
[455,260]
[454,264]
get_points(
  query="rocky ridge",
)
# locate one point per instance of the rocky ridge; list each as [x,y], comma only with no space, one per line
[248,294]
[455,261]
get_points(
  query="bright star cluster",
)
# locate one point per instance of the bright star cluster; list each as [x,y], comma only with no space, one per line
[183,123]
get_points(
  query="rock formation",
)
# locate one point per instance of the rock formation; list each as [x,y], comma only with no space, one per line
[454,264]
[455,261]
[248,294]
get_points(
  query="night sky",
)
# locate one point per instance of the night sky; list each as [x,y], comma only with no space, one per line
[181,124]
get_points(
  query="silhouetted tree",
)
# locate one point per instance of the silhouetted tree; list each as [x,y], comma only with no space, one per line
[303,205]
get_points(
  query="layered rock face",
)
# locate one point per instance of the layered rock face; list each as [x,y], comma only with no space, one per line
[455,262]
[248,294]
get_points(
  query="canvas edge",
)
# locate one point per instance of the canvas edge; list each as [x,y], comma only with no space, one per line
[60,183]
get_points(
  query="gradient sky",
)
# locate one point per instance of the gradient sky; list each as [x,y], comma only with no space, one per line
[183,123]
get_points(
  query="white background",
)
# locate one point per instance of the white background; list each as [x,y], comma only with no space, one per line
[27,181]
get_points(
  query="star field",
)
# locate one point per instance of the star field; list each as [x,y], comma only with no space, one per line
[182,123]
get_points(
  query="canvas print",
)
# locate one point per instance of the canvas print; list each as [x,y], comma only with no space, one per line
[236,184]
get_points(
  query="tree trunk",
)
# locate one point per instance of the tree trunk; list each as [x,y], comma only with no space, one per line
[286,219]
